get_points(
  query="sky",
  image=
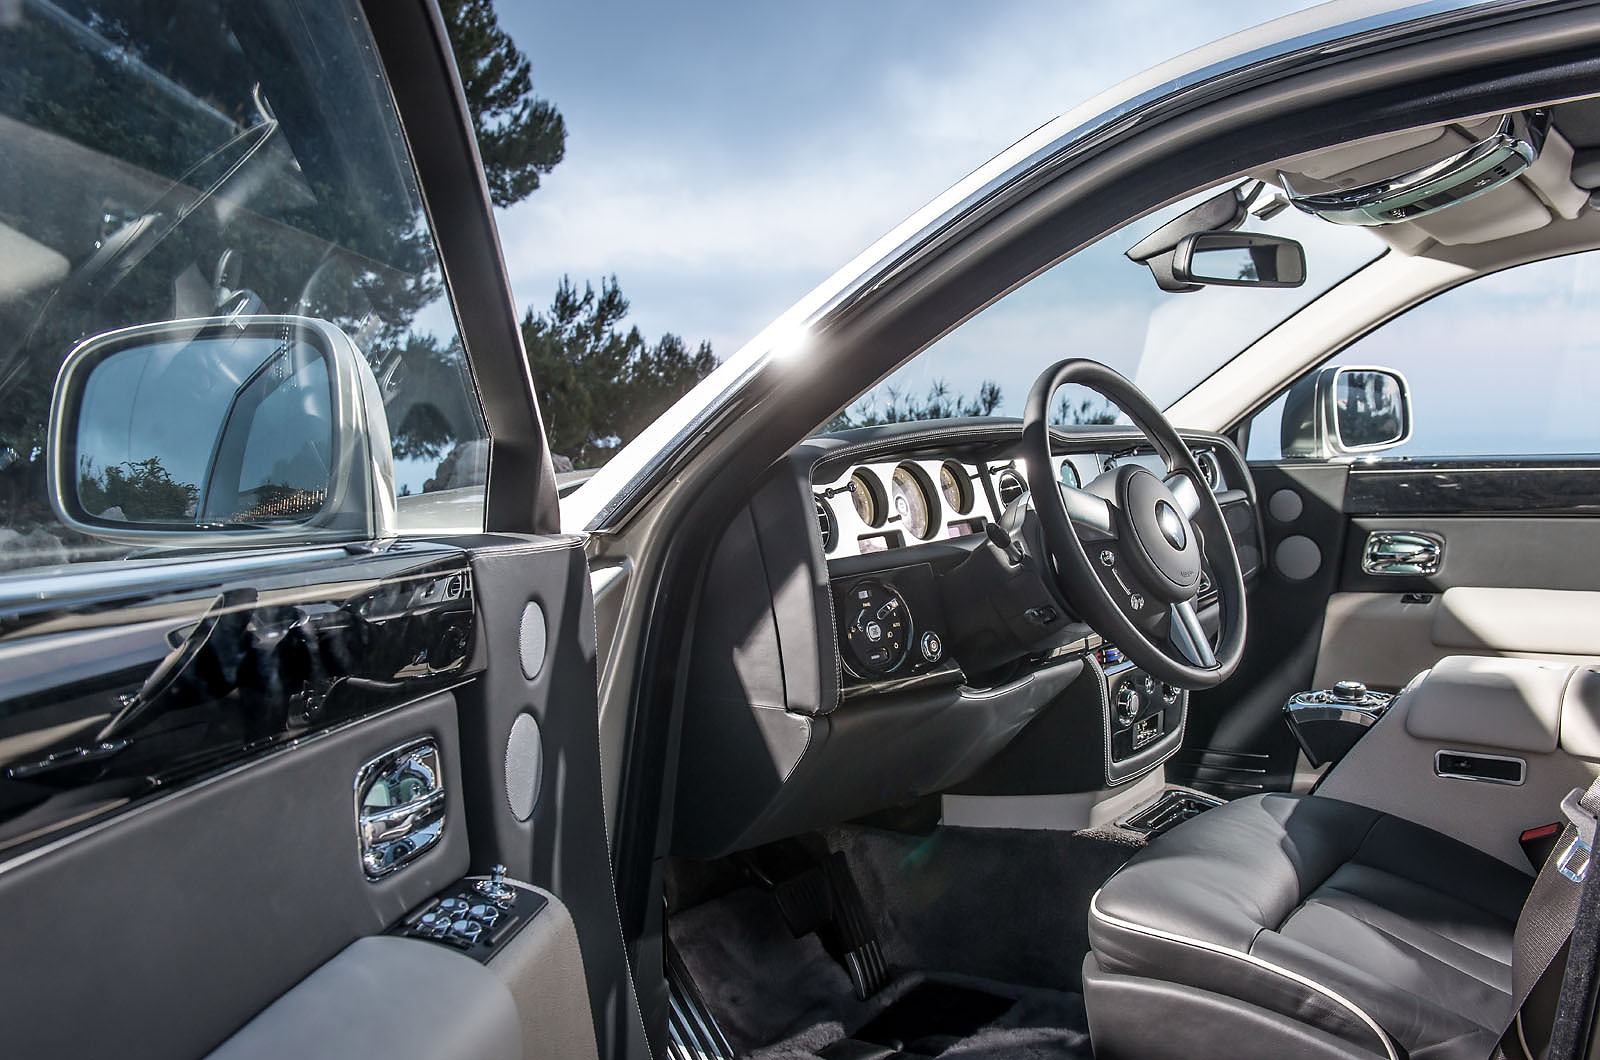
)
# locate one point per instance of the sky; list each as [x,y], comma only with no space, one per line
[723,158]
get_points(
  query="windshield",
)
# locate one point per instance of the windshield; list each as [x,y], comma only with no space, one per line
[1101,305]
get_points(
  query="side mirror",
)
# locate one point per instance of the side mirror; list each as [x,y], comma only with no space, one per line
[1239,259]
[1346,412]
[221,432]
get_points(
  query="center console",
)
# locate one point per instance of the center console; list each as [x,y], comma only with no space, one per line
[1144,717]
[1327,723]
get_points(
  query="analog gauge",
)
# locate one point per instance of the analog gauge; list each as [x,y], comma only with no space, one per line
[1009,486]
[914,502]
[956,485]
[1069,475]
[877,628]
[866,493]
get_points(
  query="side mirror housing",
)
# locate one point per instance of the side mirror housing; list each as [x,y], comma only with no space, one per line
[221,433]
[1239,259]
[1346,411]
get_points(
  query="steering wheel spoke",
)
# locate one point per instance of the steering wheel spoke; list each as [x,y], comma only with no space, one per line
[1092,516]
[1189,636]
[1185,492]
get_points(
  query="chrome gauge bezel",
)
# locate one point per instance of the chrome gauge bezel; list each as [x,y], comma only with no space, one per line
[918,480]
[866,488]
[952,475]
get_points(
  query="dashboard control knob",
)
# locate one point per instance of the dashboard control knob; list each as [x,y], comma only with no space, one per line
[1350,691]
[1169,694]
[1127,705]
[932,647]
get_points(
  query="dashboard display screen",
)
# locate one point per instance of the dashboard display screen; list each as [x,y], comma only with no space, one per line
[879,542]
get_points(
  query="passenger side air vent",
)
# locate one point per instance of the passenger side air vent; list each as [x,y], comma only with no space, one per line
[1009,486]
[827,524]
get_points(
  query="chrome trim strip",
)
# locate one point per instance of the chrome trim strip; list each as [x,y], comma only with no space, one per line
[1249,958]
[1521,764]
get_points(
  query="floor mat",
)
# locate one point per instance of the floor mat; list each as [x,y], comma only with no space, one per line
[932,1016]
[990,912]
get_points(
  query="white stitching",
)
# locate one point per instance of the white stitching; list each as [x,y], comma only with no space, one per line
[1248,958]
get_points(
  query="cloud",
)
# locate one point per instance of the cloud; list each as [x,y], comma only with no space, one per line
[768,205]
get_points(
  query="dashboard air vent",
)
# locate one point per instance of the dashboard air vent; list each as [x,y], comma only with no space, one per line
[1009,486]
[827,524]
[1208,467]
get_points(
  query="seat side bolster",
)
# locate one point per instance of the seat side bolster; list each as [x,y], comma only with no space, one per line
[1207,965]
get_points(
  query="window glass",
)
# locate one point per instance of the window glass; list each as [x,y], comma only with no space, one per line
[173,161]
[1504,366]
[1102,305]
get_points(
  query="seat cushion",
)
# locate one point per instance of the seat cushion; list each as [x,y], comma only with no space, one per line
[1351,920]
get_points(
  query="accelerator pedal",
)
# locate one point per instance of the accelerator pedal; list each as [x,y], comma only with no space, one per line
[858,948]
[692,1031]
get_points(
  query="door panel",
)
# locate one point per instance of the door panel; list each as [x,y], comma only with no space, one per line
[178,885]
[1528,532]
[161,929]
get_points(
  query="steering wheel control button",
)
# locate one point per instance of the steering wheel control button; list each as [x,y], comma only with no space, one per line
[932,647]
[1136,602]
[1108,558]
[874,632]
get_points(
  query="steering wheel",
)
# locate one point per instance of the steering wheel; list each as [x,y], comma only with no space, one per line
[1126,550]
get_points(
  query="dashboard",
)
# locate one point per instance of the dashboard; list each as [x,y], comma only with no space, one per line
[874,641]
[880,505]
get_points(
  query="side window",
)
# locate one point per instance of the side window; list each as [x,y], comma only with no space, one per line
[1505,366]
[242,165]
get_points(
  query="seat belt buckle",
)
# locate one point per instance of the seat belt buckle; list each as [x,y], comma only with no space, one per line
[1573,862]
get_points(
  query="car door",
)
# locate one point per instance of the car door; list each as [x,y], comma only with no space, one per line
[1476,536]
[297,677]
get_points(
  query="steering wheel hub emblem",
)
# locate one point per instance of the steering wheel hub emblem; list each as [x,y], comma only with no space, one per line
[1170,523]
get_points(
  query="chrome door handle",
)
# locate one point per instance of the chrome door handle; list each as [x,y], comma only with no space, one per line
[400,806]
[1402,552]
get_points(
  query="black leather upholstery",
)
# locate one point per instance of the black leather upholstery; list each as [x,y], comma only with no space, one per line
[1330,913]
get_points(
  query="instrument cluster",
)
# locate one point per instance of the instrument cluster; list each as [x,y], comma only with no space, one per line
[880,506]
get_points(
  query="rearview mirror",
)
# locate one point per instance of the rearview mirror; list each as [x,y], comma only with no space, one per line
[1346,411]
[1239,259]
[221,432]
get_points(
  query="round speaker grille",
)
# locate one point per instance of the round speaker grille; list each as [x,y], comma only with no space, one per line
[532,642]
[524,766]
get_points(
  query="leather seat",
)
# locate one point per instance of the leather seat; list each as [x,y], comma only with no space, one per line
[1284,925]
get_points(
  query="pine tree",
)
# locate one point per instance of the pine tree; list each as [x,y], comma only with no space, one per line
[519,136]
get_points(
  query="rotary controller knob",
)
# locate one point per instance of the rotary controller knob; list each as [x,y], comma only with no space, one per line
[1349,691]
[1127,704]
